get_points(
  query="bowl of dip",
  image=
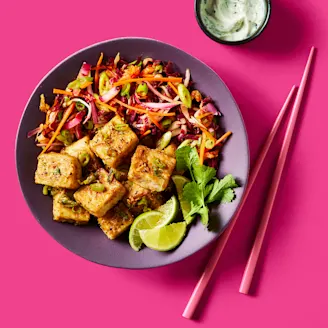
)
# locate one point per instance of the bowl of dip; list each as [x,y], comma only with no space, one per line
[232,21]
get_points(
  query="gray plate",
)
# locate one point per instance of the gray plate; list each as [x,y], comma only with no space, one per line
[89,241]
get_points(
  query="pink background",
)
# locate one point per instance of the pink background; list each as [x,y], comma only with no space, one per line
[44,285]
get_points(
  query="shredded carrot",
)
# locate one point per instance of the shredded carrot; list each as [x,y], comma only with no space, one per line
[143,111]
[148,75]
[225,136]
[97,70]
[150,79]
[208,134]
[145,134]
[173,87]
[106,105]
[153,120]
[204,115]
[99,67]
[202,149]
[66,115]
[62,92]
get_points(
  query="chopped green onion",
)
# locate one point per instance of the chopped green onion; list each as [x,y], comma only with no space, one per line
[166,123]
[209,144]
[164,140]
[121,127]
[65,137]
[125,92]
[60,115]
[98,187]
[84,159]
[68,202]
[134,62]
[45,190]
[184,95]
[142,89]
[91,178]
[158,163]
[159,68]
[76,84]
[79,106]
[89,125]
[104,84]
[185,143]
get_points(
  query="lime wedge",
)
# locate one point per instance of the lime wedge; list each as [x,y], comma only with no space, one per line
[163,215]
[180,181]
[169,209]
[164,238]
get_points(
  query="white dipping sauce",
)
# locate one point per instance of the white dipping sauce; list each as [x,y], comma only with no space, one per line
[233,20]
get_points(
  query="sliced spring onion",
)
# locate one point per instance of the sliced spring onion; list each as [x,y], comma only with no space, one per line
[98,187]
[121,127]
[104,84]
[159,68]
[84,159]
[142,89]
[125,92]
[164,140]
[209,144]
[166,123]
[45,190]
[89,125]
[185,143]
[79,106]
[184,95]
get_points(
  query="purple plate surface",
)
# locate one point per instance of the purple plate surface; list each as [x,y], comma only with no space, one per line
[89,241]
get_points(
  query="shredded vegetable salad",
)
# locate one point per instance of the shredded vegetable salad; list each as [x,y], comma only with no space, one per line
[151,96]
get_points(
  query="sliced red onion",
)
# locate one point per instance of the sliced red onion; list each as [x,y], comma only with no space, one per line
[191,136]
[109,95]
[183,129]
[211,109]
[78,132]
[159,105]
[175,125]
[146,61]
[93,114]
[183,120]
[185,112]
[84,70]
[75,121]
[176,132]
[187,78]
[158,94]
[34,132]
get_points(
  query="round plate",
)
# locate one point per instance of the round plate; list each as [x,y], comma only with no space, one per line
[89,241]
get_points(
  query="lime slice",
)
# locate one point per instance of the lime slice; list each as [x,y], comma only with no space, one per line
[169,209]
[180,181]
[164,238]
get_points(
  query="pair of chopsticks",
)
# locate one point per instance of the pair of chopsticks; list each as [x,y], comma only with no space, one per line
[254,255]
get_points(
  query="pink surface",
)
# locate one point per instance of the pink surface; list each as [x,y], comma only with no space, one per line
[44,285]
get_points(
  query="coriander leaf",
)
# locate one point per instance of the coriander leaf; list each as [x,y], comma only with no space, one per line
[204,218]
[192,193]
[227,196]
[186,157]
[219,186]
[203,174]
[208,189]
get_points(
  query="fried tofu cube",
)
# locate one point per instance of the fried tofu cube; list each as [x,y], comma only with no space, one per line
[82,151]
[170,150]
[58,170]
[115,221]
[64,210]
[98,203]
[151,168]
[114,142]
[139,199]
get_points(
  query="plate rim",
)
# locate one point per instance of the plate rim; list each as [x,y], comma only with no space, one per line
[224,227]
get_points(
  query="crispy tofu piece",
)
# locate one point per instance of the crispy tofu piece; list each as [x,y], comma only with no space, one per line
[170,150]
[151,168]
[114,142]
[63,211]
[82,148]
[139,199]
[58,170]
[115,221]
[98,203]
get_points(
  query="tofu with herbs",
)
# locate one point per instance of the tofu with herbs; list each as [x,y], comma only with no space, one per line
[65,209]
[114,142]
[151,168]
[82,151]
[139,199]
[101,195]
[58,170]
[115,221]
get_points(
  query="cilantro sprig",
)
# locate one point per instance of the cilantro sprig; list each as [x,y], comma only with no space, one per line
[204,188]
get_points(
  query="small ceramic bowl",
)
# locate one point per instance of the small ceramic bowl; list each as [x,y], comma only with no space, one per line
[213,37]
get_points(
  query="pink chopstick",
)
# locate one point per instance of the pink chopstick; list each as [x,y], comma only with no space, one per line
[252,261]
[204,279]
